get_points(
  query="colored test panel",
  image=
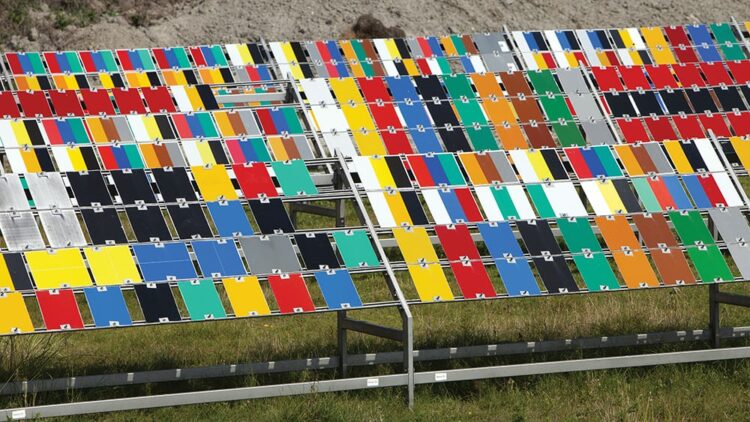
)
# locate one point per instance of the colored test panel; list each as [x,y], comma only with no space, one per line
[201,299]
[107,306]
[246,296]
[56,268]
[157,302]
[229,218]
[294,178]
[430,282]
[112,265]
[218,258]
[415,245]
[213,182]
[514,269]
[587,254]
[700,246]
[164,261]
[355,249]
[316,251]
[338,289]
[665,252]
[547,256]
[59,309]
[291,293]
[626,250]
[15,317]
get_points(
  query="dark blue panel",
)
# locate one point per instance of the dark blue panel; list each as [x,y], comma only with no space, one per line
[218,258]
[594,163]
[517,277]
[107,306]
[696,191]
[230,218]
[160,262]
[338,289]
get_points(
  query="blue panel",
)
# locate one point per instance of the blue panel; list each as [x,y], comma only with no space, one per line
[436,170]
[230,219]
[452,205]
[160,262]
[563,39]
[696,191]
[595,41]
[264,73]
[531,41]
[62,60]
[333,50]
[500,240]
[703,42]
[107,306]
[414,114]
[218,258]
[25,63]
[593,161]
[434,43]
[66,132]
[517,277]
[98,61]
[338,289]
[121,157]
[195,125]
[135,59]
[208,55]
[468,65]
[171,57]
[279,120]
[678,193]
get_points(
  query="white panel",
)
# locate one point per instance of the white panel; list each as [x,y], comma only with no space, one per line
[709,155]
[436,206]
[521,202]
[330,118]
[385,57]
[48,190]
[181,98]
[190,148]
[624,56]
[7,137]
[564,199]
[491,209]
[17,164]
[12,196]
[476,61]
[556,47]
[281,59]
[526,170]
[434,66]
[727,189]
[138,128]
[62,228]
[635,35]
[587,47]
[595,197]
[234,55]
[21,231]
[366,173]
[528,57]
[381,210]
[62,158]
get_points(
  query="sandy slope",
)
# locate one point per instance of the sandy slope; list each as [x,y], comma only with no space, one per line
[235,20]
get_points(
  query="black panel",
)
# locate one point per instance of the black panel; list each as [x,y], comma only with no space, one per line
[627,196]
[647,103]
[162,122]
[694,156]
[89,188]
[555,165]
[44,83]
[190,221]
[701,100]
[226,74]
[104,226]
[157,302]
[174,184]
[148,223]
[218,152]
[133,185]
[83,83]
[190,77]
[89,157]
[675,101]
[45,161]
[538,237]
[32,128]
[17,271]
[555,274]
[117,80]
[730,99]
[316,251]
[153,78]
[430,87]
[396,166]
[271,216]
[731,154]
[414,207]
[207,97]
[620,104]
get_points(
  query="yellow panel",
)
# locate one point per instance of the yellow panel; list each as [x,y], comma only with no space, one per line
[450,49]
[390,45]
[224,125]
[205,152]
[277,147]
[540,166]
[612,197]
[345,90]
[382,172]
[217,76]
[6,283]
[71,81]
[245,55]
[572,59]
[132,79]
[397,207]
[246,296]
[293,65]
[351,58]
[742,148]
[33,83]
[14,317]
[213,182]
[19,129]
[58,268]
[630,45]
[681,163]
[628,160]
[151,127]
[603,59]
[112,265]
[430,281]
[96,129]
[539,59]
[76,158]
[195,99]
[411,67]
[658,45]
[415,245]
[471,165]
[31,162]
[106,80]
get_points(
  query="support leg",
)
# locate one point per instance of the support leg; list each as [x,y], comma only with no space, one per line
[714,322]
[341,331]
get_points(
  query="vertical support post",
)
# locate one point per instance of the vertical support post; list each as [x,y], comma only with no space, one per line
[714,320]
[341,338]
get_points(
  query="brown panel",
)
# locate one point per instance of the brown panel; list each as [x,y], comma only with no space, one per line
[163,155]
[671,263]
[110,130]
[236,122]
[291,148]
[488,167]
[633,264]
[515,83]
[644,160]
[373,56]
[469,44]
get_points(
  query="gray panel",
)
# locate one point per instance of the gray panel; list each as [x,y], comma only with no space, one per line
[572,81]
[585,106]
[416,49]
[733,227]
[12,196]
[48,190]
[21,231]
[303,147]
[269,254]
[495,52]
[240,76]
[123,128]
[597,132]
[175,154]
[62,228]
[657,156]
[249,121]
[503,166]
[316,59]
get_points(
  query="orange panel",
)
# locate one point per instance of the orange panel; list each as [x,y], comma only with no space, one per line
[631,261]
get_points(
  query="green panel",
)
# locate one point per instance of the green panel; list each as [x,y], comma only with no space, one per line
[450,167]
[259,146]
[556,107]
[79,131]
[459,44]
[481,137]
[74,62]
[207,124]
[36,63]
[504,202]
[608,161]
[543,207]
[182,58]
[726,40]
[707,258]
[145,57]
[109,60]
[445,67]
[568,134]
[646,195]
[219,56]
[710,264]
[133,156]
[356,249]
[596,272]
[362,57]
[543,82]
[690,227]
[290,115]
[578,234]
[201,299]
[458,86]
[294,178]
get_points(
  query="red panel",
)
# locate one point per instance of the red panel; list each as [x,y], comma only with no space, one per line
[716,123]
[108,157]
[712,190]
[740,71]
[660,128]
[688,126]
[550,60]
[425,46]
[159,100]
[391,130]
[662,193]
[420,170]
[676,35]
[97,102]
[53,134]
[183,128]
[51,59]
[374,89]
[291,293]
[88,61]
[716,73]
[264,115]
[612,57]
[424,67]
[686,55]
[581,58]
[633,130]
[607,78]
[34,104]
[161,58]
[661,76]
[325,56]
[252,73]
[688,75]
[66,103]
[254,180]
[14,63]
[457,242]
[468,204]
[740,122]
[128,101]
[197,56]
[8,105]
[579,164]
[634,77]
[59,309]
[473,280]
[125,63]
